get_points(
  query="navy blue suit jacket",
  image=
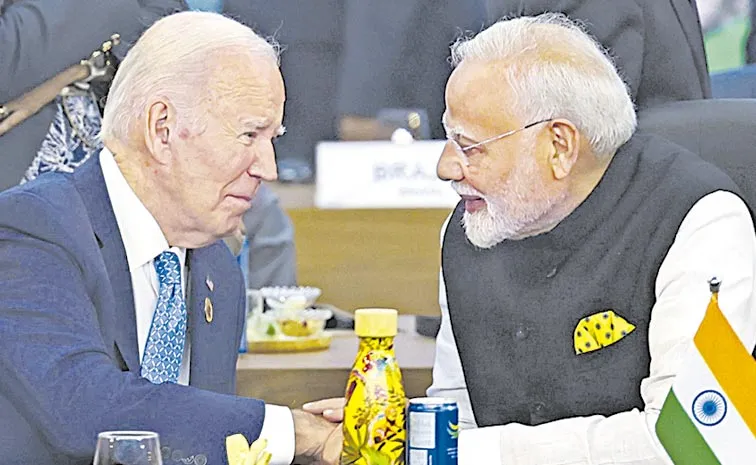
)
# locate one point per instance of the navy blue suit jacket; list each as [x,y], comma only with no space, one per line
[69,365]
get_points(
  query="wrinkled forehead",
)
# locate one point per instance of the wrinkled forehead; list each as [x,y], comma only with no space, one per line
[255,89]
[478,100]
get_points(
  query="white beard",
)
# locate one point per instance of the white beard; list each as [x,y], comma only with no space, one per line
[518,207]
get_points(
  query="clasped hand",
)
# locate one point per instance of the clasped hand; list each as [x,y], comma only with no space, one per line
[318,437]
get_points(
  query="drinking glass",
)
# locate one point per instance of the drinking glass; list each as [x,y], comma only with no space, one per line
[128,448]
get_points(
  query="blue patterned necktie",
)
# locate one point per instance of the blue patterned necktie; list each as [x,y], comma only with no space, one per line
[161,362]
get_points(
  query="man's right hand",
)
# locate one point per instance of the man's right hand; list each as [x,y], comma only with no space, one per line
[331,409]
[317,440]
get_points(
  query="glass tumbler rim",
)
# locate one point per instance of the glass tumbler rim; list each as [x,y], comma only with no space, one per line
[126,434]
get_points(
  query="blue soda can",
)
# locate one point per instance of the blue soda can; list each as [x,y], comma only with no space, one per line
[433,429]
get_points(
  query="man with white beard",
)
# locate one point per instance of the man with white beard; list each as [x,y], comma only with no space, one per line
[569,218]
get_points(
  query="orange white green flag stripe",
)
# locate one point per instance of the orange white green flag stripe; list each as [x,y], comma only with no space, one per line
[709,416]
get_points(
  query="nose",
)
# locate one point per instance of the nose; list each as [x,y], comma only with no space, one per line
[264,164]
[449,166]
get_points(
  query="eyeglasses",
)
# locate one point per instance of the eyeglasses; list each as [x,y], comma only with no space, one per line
[462,151]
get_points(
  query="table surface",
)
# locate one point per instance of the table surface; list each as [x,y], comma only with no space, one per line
[292,379]
[413,351]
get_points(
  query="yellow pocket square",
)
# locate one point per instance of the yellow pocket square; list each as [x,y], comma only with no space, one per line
[239,452]
[600,330]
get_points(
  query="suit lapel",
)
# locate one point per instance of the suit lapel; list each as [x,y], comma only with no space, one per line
[687,16]
[210,341]
[91,183]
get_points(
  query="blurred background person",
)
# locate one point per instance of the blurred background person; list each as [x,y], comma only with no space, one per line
[751,41]
[395,56]
[656,44]
[39,39]
[272,259]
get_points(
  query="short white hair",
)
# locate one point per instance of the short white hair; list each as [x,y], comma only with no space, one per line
[557,70]
[173,59]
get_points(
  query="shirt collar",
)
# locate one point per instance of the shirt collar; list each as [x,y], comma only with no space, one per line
[142,237]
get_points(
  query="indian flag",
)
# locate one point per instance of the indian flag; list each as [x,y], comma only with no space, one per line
[709,416]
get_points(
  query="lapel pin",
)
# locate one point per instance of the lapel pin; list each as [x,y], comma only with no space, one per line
[210,284]
[208,310]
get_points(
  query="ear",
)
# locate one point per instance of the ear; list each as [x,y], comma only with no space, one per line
[565,142]
[159,128]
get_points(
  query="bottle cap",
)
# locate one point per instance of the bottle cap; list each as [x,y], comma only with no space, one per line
[375,322]
[714,284]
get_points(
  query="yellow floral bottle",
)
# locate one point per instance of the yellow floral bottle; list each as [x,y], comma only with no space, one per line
[374,430]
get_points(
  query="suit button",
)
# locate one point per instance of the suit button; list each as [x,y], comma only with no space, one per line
[521,333]
[538,414]
[200,459]
[539,408]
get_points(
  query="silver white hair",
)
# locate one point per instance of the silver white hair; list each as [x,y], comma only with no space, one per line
[173,59]
[557,70]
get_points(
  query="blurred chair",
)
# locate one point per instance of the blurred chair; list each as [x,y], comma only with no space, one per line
[721,131]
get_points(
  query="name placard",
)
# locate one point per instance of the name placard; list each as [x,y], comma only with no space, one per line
[380,175]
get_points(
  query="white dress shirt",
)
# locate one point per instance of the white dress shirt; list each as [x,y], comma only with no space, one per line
[715,238]
[144,241]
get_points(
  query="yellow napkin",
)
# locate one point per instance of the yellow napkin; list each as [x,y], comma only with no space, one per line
[600,330]
[239,452]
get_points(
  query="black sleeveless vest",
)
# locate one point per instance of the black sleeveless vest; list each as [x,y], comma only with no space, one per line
[514,307]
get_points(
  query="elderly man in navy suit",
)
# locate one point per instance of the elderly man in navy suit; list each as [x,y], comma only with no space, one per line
[126,311]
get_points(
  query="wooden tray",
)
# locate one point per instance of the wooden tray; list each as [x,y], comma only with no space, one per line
[305,344]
